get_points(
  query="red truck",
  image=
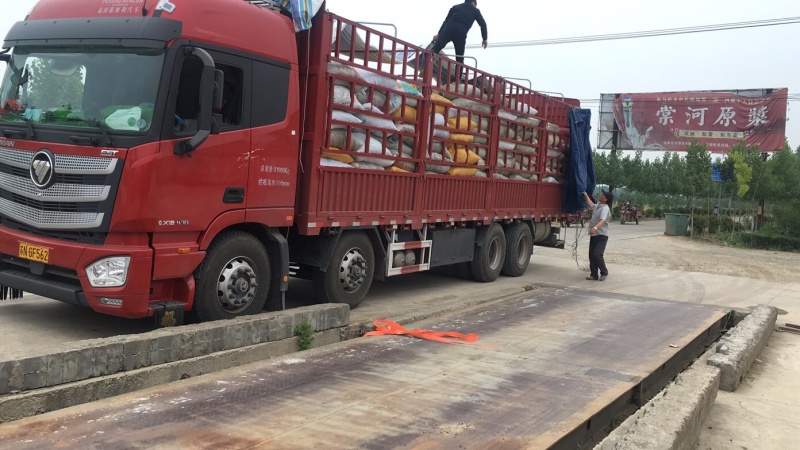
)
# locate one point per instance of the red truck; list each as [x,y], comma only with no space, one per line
[189,156]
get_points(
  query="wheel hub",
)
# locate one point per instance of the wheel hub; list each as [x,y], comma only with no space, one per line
[237,285]
[352,271]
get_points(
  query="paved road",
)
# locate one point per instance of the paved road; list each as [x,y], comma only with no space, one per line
[35,324]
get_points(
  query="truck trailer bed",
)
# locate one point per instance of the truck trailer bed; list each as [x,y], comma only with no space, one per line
[552,368]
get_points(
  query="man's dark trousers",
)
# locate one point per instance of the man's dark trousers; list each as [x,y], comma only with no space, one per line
[597,246]
[459,40]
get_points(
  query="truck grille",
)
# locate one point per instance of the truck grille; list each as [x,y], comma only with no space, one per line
[80,199]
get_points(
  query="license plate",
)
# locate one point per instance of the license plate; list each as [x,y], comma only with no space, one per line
[34,252]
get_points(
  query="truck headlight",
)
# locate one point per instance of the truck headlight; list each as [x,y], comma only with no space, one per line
[109,272]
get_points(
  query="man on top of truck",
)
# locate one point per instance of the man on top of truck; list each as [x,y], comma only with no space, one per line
[456,26]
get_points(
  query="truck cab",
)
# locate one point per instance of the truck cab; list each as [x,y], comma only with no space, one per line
[136,138]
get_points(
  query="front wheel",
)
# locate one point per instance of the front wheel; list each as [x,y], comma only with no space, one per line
[489,257]
[519,247]
[350,271]
[233,280]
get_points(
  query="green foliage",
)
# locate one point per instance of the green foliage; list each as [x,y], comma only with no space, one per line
[787,219]
[681,183]
[698,170]
[711,224]
[766,241]
[700,224]
[785,168]
[743,172]
[305,333]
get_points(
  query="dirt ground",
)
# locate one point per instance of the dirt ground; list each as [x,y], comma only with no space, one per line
[636,245]
[708,256]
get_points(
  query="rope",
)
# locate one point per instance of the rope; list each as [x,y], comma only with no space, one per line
[579,234]
[387,327]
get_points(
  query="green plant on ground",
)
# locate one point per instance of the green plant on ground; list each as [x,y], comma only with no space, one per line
[305,333]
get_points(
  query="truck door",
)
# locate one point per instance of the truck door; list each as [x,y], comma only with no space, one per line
[213,178]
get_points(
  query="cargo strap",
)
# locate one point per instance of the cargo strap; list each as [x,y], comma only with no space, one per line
[387,327]
[7,293]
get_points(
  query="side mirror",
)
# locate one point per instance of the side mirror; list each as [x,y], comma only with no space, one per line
[219,89]
[5,57]
[207,92]
[216,123]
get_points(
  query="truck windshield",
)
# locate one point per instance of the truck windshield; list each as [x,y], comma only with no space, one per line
[114,88]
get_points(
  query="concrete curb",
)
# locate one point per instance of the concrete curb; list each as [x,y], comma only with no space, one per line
[739,347]
[672,419]
[102,357]
[31,403]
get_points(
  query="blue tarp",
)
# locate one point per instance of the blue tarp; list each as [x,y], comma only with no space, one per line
[580,167]
[302,12]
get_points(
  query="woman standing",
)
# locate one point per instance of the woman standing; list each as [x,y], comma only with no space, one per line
[601,215]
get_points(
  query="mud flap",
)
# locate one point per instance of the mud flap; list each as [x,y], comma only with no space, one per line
[278,250]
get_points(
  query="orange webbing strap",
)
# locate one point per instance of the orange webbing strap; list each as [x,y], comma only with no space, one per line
[387,327]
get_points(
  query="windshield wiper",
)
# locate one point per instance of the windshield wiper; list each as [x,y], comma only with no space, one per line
[92,140]
[24,119]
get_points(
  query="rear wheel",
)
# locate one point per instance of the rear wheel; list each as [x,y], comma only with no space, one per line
[622,220]
[519,247]
[489,257]
[350,271]
[233,279]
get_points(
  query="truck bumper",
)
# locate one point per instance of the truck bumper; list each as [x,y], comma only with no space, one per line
[64,278]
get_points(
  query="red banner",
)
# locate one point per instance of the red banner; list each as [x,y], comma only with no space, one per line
[672,120]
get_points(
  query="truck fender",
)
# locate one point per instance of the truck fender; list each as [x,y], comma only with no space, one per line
[222,222]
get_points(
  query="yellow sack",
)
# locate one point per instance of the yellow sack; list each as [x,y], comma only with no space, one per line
[462,171]
[343,157]
[462,155]
[407,113]
[441,109]
[461,123]
[397,169]
[462,137]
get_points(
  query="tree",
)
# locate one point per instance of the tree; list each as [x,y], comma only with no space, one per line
[698,170]
[785,169]
[742,171]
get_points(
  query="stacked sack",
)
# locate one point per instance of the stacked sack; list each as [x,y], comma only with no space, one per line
[556,161]
[518,142]
[368,126]
[457,137]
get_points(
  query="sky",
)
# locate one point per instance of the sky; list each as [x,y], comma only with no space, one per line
[766,57]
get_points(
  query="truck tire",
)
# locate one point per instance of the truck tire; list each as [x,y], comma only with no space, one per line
[350,272]
[233,280]
[519,247]
[489,257]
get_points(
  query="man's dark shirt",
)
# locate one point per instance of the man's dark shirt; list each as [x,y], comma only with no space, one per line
[460,19]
